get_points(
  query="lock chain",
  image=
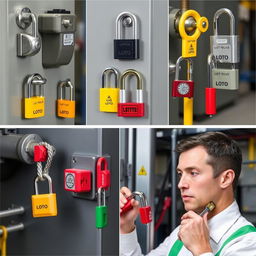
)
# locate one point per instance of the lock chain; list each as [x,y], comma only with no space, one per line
[50,153]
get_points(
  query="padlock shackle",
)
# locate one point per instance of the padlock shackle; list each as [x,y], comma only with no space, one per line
[131,72]
[49,179]
[36,79]
[99,198]
[119,24]
[34,25]
[62,85]
[108,72]
[211,64]
[177,69]
[142,198]
[231,18]
[100,161]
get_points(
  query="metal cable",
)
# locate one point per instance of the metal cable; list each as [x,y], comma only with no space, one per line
[51,153]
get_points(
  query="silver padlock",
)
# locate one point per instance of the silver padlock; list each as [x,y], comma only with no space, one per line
[225,48]
[27,45]
[227,79]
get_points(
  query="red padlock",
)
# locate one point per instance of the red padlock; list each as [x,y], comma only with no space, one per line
[183,88]
[145,210]
[77,180]
[131,109]
[103,174]
[40,153]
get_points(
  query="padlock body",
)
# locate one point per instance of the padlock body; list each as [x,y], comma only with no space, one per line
[101,216]
[183,88]
[127,207]
[189,48]
[77,180]
[210,101]
[66,108]
[225,48]
[103,179]
[227,79]
[44,205]
[127,49]
[109,99]
[131,109]
[34,107]
[27,45]
[145,215]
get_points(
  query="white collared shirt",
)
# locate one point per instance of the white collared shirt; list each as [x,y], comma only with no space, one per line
[221,227]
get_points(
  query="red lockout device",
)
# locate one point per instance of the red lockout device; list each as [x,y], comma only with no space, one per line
[40,153]
[77,180]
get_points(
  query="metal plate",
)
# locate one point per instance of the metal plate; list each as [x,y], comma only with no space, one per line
[88,162]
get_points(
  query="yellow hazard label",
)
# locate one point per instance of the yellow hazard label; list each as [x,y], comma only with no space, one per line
[189,48]
[142,171]
[109,101]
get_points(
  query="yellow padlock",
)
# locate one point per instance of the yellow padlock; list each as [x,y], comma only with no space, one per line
[109,97]
[44,205]
[3,240]
[34,105]
[189,42]
[65,108]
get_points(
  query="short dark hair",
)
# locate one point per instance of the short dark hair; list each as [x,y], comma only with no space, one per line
[223,151]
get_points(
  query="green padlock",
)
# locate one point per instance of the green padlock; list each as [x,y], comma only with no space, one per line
[101,210]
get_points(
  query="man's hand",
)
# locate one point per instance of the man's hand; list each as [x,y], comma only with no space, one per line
[127,219]
[194,233]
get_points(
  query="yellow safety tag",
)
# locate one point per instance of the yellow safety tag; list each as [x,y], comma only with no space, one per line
[189,48]
[3,240]
[109,98]
[34,107]
[44,205]
[66,108]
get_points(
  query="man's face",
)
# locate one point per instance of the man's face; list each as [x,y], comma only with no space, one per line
[197,185]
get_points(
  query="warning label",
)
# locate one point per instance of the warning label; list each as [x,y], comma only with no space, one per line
[68,39]
[108,101]
[142,171]
[191,49]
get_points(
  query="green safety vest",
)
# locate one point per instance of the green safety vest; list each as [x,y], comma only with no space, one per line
[240,232]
